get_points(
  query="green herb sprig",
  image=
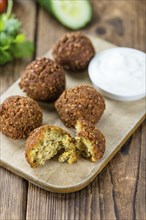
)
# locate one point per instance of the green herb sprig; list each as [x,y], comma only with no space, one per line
[13,43]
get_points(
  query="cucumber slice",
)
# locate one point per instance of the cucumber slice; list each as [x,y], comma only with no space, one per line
[45,4]
[73,14]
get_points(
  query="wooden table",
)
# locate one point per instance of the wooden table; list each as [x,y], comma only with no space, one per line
[118,192]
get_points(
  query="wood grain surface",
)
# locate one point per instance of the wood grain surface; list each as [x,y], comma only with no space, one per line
[119,190]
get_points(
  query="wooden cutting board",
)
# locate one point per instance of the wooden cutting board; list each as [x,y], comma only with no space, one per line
[119,121]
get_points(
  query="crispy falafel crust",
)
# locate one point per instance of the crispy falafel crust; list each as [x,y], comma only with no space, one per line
[19,116]
[34,137]
[91,133]
[38,135]
[43,80]
[73,51]
[80,102]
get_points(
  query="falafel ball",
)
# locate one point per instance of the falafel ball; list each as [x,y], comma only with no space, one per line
[91,142]
[80,102]
[46,141]
[74,51]
[19,116]
[43,80]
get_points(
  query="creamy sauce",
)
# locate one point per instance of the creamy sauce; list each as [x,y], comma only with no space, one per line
[121,71]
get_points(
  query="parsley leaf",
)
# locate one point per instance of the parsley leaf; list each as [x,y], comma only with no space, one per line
[12,26]
[5,57]
[22,49]
[5,39]
[19,38]
[12,42]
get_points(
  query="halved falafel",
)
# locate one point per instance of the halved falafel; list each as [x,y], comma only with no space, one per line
[19,116]
[43,80]
[90,141]
[46,141]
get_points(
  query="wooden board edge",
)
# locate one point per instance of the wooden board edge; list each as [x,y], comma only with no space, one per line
[82,185]
[7,90]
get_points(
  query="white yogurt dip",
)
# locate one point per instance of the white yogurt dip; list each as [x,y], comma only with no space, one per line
[120,73]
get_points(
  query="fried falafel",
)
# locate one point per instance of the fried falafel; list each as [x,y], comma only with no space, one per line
[43,80]
[74,51]
[80,102]
[19,116]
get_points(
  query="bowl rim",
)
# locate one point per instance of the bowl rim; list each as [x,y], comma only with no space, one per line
[108,93]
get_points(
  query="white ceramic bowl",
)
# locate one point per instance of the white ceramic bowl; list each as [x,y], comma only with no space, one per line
[108,63]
